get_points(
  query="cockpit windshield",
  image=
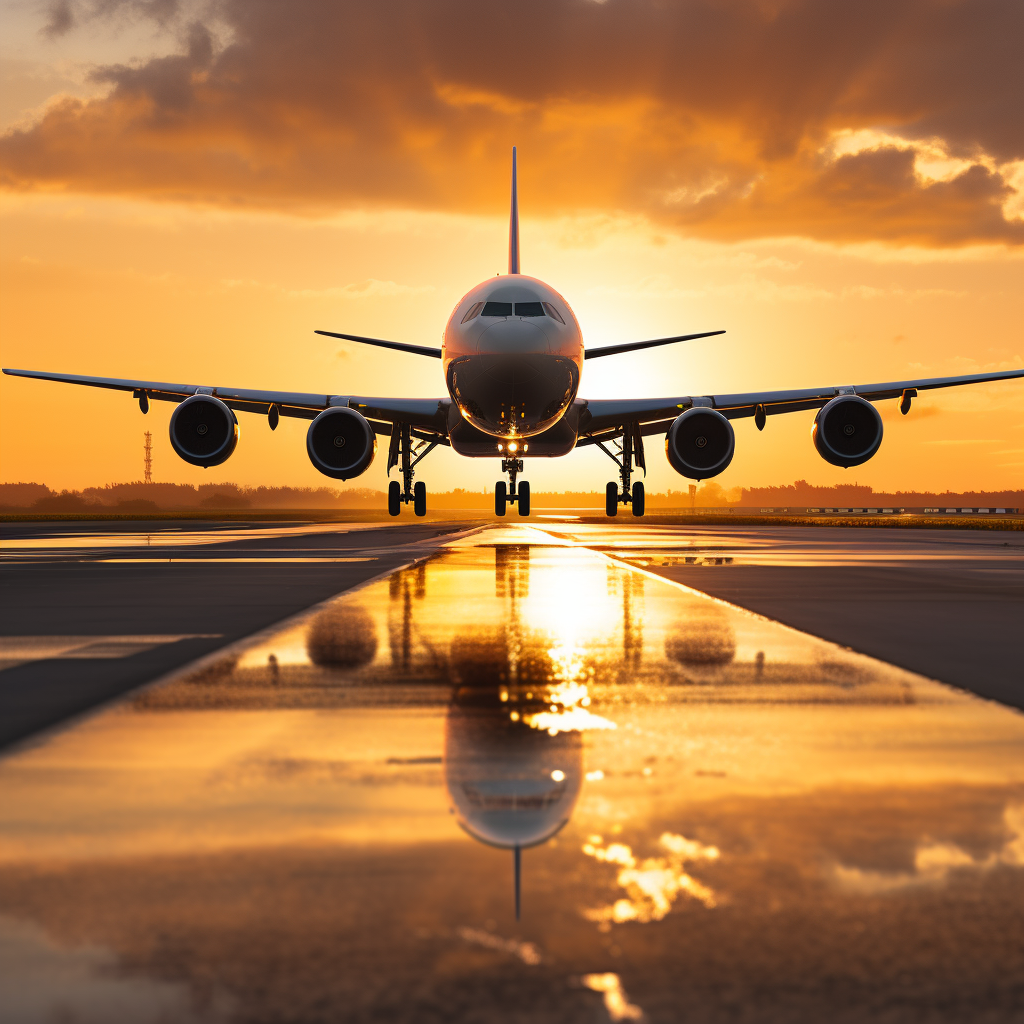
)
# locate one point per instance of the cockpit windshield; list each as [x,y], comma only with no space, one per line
[529,309]
[472,312]
[497,309]
[505,309]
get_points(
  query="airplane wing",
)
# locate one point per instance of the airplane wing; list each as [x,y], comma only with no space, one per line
[428,414]
[655,415]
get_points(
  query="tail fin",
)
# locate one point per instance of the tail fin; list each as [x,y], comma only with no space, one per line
[513,226]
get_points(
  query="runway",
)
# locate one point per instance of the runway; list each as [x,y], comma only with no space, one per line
[202,586]
[944,603]
[317,820]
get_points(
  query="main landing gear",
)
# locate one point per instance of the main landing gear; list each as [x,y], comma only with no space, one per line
[503,494]
[630,450]
[401,449]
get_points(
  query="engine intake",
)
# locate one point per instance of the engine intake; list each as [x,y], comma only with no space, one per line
[341,443]
[204,431]
[700,443]
[847,431]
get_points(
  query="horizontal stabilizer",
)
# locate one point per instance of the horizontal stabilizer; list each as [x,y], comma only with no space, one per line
[632,346]
[399,346]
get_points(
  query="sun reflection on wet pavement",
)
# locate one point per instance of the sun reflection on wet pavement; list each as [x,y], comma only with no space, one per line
[716,812]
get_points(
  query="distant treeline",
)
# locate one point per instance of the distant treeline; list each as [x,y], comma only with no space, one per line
[140,497]
[801,494]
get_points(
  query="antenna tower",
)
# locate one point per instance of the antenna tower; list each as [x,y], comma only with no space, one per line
[148,449]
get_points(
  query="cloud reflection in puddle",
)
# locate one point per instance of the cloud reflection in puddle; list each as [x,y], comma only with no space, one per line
[653,884]
[616,1002]
[935,862]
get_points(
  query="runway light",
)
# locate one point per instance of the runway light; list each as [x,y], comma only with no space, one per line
[558,775]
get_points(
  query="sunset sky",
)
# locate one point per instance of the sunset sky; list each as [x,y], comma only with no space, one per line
[188,190]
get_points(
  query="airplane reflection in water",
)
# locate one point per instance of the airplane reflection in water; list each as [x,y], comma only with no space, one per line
[518,674]
[282,828]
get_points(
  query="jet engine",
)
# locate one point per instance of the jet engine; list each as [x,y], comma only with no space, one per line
[341,443]
[700,443]
[847,431]
[204,431]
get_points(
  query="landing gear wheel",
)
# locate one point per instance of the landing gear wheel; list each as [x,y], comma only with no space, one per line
[500,498]
[419,498]
[611,499]
[638,499]
[394,498]
[523,497]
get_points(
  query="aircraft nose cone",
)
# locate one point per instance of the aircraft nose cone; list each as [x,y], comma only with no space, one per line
[512,335]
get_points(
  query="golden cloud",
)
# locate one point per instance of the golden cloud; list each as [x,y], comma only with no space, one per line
[715,117]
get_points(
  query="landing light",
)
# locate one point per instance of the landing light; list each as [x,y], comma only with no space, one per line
[558,775]
[513,447]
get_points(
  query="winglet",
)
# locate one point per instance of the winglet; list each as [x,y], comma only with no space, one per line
[513,226]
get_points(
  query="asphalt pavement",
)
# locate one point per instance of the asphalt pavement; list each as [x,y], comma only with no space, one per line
[160,595]
[92,610]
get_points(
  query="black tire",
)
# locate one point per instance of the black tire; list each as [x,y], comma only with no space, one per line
[638,499]
[419,498]
[611,499]
[523,497]
[394,498]
[500,498]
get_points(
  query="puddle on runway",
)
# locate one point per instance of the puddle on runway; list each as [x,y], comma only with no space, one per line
[793,546]
[718,818]
[166,536]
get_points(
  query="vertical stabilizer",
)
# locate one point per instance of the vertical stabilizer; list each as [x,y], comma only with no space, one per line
[513,225]
[517,868]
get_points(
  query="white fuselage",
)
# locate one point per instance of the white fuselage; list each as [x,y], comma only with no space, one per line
[512,355]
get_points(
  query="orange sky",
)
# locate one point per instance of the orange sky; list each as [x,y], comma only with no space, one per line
[189,189]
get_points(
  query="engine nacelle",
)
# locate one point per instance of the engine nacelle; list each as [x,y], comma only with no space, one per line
[341,443]
[204,431]
[700,443]
[847,431]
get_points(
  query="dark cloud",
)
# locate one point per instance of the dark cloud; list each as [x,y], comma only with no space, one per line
[712,115]
[60,19]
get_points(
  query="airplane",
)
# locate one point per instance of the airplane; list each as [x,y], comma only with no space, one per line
[512,354]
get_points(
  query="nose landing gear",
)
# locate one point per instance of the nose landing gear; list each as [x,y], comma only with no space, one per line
[631,449]
[503,495]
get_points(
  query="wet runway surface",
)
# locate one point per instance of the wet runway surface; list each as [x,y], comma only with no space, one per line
[945,603]
[156,598]
[718,818]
